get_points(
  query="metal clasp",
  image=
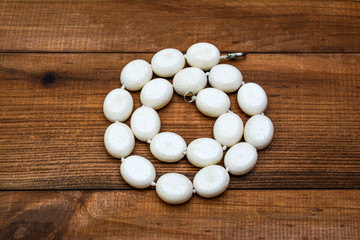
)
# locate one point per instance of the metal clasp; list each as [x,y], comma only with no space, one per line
[191,95]
[233,55]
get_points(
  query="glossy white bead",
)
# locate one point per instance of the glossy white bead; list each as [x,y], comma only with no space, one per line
[145,123]
[174,188]
[136,74]
[259,131]
[119,140]
[203,55]
[228,129]
[252,99]
[137,171]
[211,181]
[157,93]
[212,102]
[241,158]
[225,77]
[203,152]
[189,79]
[118,105]
[167,62]
[168,147]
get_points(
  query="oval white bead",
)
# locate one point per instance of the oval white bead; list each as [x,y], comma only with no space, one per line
[189,79]
[168,147]
[212,102]
[203,152]
[137,171]
[252,99]
[118,105]
[225,77]
[174,188]
[211,181]
[241,158]
[145,123]
[228,129]
[203,55]
[136,74]
[119,140]
[259,131]
[167,62]
[157,93]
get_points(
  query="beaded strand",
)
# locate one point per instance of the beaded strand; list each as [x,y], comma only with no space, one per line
[190,82]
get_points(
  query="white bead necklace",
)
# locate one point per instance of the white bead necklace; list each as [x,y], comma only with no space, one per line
[211,180]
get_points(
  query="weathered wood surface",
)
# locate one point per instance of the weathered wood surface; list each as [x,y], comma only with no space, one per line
[51,134]
[147,26]
[237,214]
[59,59]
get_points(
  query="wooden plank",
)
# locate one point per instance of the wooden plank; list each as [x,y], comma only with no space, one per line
[143,26]
[237,214]
[51,134]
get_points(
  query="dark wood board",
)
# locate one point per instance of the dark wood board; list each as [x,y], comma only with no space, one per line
[148,26]
[51,134]
[133,214]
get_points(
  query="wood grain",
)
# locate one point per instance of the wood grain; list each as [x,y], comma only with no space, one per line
[51,133]
[59,59]
[237,214]
[148,26]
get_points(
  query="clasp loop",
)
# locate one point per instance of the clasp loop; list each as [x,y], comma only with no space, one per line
[189,97]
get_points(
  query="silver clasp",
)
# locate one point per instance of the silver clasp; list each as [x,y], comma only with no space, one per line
[189,97]
[233,55]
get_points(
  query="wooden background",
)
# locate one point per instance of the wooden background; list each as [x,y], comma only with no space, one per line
[59,59]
